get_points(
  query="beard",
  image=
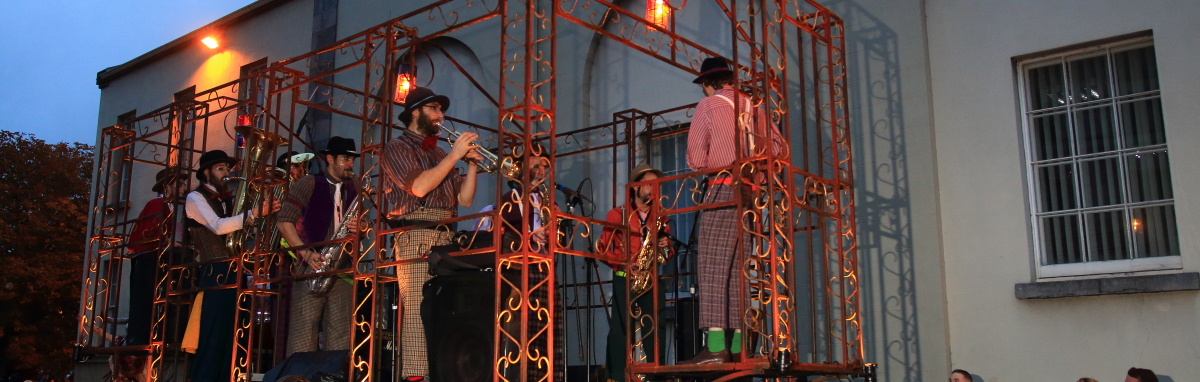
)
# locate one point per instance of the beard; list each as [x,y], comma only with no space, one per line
[426,126]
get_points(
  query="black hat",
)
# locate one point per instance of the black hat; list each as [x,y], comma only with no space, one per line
[713,66]
[418,97]
[340,146]
[163,177]
[211,158]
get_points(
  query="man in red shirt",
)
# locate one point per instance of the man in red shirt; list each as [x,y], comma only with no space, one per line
[153,234]
[636,217]
[715,127]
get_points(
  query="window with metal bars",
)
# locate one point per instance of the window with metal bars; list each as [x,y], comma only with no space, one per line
[1100,178]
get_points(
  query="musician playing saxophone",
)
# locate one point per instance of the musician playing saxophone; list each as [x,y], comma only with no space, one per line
[312,212]
[636,217]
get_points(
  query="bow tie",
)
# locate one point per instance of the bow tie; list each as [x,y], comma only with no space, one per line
[429,142]
[225,195]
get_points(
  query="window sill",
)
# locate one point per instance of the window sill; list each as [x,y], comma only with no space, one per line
[1108,286]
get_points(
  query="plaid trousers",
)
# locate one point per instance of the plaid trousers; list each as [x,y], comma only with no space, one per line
[411,245]
[328,314]
[719,260]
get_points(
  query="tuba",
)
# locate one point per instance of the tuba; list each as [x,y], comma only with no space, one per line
[321,285]
[645,264]
[259,179]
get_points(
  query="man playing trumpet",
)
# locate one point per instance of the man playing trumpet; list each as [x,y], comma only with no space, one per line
[314,210]
[421,185]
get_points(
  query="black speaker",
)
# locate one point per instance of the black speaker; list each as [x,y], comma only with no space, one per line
[458,313]
[687,330]
[316,366]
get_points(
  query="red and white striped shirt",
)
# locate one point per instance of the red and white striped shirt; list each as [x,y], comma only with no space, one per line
[711,139]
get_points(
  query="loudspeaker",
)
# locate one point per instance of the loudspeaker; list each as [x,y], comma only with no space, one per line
[687,330]
[316,366]
[458,313]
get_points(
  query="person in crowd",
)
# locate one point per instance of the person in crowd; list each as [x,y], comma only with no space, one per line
[960,375]
[1140,375]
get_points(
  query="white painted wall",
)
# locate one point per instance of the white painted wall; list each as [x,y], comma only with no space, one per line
[986,229]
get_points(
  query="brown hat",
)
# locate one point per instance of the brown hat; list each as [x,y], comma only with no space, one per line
[163,177]
[642,169]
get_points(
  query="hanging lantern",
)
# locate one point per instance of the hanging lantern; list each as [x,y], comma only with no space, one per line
[658,12]
[405,82]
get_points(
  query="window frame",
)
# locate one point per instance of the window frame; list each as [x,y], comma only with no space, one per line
[1032,163]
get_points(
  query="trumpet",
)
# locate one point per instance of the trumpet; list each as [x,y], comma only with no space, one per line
[490,161]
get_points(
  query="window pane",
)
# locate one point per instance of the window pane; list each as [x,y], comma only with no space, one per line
[1106,236]
[1136,70]
[1100,182]
[1056,187]
[1051,136]
[1143,123]
[1060,240]
[1046,87]
[1095,131]
[1154,231]
[1089,79]
[1149,176]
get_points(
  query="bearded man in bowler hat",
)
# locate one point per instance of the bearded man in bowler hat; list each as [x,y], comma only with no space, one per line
[209,219]
[421,185]
[312,212]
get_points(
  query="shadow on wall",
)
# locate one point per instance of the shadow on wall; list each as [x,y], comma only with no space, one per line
[891,336]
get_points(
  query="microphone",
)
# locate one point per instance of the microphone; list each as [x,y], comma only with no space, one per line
[569,192]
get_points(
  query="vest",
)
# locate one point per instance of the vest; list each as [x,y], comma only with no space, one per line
[208,244]
[316,223]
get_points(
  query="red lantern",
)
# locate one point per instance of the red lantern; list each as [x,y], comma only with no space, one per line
[405,82]
[658,12]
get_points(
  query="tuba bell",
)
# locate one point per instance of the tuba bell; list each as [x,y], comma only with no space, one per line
[260,178]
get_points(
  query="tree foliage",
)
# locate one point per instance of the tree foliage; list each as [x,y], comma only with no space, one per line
[43,214]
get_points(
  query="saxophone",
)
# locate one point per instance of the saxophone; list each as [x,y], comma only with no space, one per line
[320,285]
[645,265]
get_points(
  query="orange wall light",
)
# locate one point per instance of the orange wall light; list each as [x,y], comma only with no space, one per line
[405,82]
[210,42]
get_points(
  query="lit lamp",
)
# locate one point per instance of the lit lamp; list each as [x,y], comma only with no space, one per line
[658,12]
[210,42]
[405,82]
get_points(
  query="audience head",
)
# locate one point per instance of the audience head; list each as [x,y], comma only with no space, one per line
[960,375]
[1140,375]
[1086,379]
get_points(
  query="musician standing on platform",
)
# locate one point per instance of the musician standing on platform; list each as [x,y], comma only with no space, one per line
[294,164]
[422,185]
[537,165]
[313,211]
[710,145]
[636,217]
[209,219]
[155,223]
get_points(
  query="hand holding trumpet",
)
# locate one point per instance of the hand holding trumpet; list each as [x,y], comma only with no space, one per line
[464,148]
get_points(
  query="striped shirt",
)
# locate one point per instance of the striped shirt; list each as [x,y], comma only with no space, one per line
[403,161]
[711,139]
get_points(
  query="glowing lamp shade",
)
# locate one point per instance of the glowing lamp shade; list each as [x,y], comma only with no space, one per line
[658,12]
[210,42]
[405,82]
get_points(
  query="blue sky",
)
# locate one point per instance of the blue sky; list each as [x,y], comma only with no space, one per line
[52,50]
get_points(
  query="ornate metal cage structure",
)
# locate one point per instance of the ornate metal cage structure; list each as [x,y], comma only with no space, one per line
[796,207]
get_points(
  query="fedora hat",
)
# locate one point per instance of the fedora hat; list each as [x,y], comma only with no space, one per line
[642,169]
[418,97]
[340,146]
[713,66]
[212,158]
[163,177]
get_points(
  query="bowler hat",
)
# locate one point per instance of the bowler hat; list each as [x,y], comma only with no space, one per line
[420,96]
[163,177]
[340,146]
[713,66]
[212,158]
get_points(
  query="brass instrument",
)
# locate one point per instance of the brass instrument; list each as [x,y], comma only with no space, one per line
[490,161]
[320,285]
[645,264]
[260,178]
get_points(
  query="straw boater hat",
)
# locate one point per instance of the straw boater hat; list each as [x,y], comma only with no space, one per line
[212,158]
[163,177]
[713,66]
[292,157]
[418,97]
[642,169]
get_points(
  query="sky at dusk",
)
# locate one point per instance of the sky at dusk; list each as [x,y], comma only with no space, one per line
[52,50]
